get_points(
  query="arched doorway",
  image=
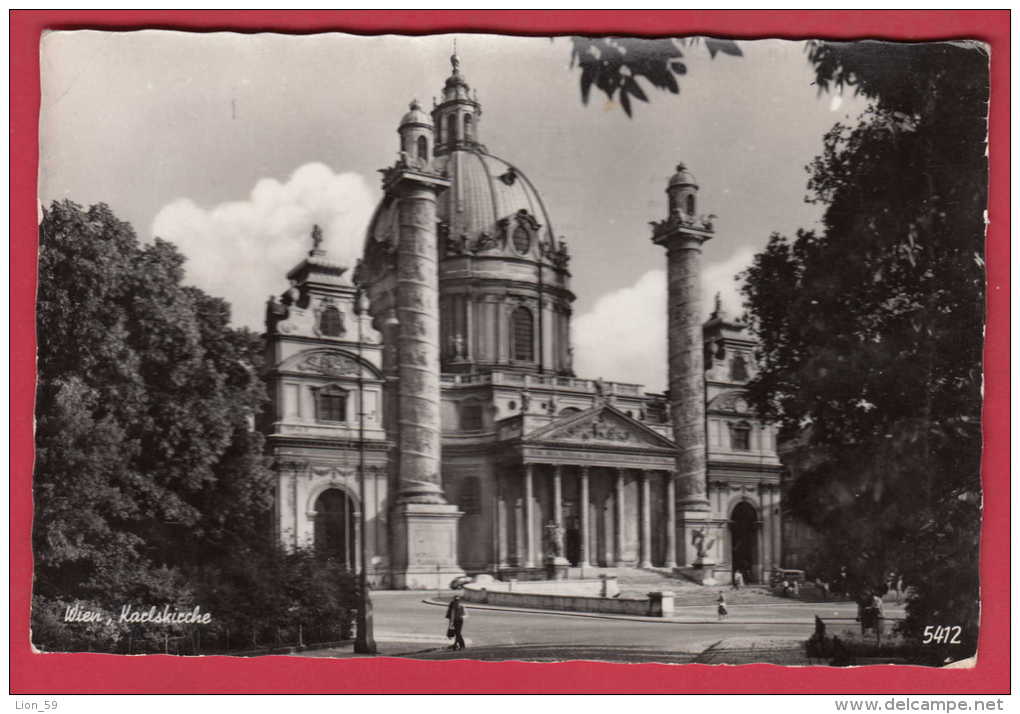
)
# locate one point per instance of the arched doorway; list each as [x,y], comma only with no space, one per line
[334,527]
[744,540]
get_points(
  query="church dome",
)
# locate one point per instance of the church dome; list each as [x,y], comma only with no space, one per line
[486,190]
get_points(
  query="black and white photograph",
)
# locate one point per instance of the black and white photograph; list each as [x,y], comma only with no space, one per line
[492,347]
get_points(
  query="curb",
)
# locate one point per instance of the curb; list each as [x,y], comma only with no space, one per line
[630,618]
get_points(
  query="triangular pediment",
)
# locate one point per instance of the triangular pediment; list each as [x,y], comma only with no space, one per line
[602,425]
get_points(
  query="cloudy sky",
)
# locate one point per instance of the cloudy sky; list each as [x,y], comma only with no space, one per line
[233,146]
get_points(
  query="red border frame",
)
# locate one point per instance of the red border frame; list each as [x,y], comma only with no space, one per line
[86,673]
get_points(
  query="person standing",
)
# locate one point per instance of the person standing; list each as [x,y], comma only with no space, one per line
[738,580]
[456,613]
[722,606]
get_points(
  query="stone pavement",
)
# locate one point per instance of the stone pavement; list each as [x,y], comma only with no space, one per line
[745,650]
[736,650]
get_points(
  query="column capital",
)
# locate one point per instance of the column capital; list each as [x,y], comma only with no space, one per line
[402,177]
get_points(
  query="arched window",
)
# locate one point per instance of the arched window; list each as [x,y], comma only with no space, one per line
[423,148]
[471,416]
[522,330]
[331,322]
[568,411]
[331,404]
[690,204]
[451,128]
[738,369]
[740,436]
[467,127]
[334,526]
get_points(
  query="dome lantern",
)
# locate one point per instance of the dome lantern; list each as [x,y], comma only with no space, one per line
[456,117]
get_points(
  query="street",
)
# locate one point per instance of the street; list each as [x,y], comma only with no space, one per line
[407,625]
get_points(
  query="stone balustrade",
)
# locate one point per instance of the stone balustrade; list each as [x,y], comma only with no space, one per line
[538,380]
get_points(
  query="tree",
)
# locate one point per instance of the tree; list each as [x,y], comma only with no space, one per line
[615,64]
[871,329]
[146,465]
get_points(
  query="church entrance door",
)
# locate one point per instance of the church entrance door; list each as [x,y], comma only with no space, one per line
[334,527]
[744,540]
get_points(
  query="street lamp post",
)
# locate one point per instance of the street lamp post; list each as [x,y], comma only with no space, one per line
[364,642]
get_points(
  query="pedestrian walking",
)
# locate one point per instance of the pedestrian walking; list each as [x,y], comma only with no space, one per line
[738,580]
[722,606]
[456,613]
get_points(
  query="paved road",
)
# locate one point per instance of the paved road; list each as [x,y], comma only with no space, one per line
[405,625]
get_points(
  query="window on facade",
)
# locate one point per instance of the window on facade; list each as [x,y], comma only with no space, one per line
[740,436]
[522,328]
[467,126]
[470,500]
[331,404]
[451,128]
[471,416]
[690,204]
[738,369]
[331,322]
[423,148]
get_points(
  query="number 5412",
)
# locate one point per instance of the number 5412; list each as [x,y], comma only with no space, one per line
[939,635]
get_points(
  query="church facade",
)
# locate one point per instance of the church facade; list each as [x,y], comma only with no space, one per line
[441,368]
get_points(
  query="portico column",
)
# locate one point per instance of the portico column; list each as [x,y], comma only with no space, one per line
[670,520]
[557,496]
[583,507]
[529,550]
[620,515]
[646,522]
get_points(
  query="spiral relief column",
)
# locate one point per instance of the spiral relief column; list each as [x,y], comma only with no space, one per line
[686,367]
[417,301]
[682,234]
[424,524]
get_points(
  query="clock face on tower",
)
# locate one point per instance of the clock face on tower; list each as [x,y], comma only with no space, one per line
[521,239]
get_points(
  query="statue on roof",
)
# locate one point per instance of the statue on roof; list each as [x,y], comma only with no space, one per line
[316,237]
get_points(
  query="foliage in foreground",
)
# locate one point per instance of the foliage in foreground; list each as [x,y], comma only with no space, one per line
[150,486]
[871,330]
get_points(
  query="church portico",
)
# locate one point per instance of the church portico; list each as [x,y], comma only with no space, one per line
[598,502]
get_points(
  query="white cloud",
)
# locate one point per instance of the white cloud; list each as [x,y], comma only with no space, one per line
[623,337]
[242,250]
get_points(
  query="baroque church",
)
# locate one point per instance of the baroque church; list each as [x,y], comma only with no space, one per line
[441,368]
